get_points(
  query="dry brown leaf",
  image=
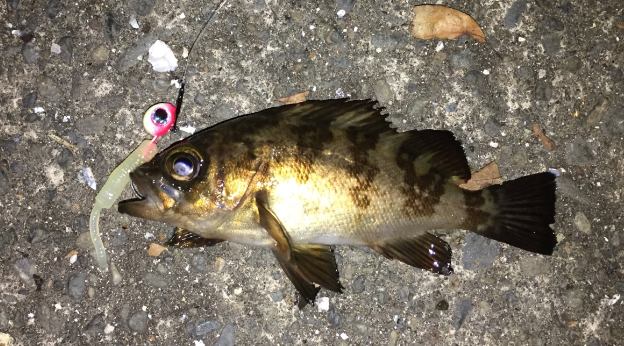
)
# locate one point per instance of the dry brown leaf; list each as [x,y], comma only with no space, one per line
[620,26]
[219,264]
[542,137]
[155,250]
[436,21]
[71,253]
[483,178]
[296,98]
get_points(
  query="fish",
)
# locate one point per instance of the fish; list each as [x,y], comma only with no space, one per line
[301,179]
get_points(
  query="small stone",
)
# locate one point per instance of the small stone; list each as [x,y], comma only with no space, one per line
[554,23]
[48,89]
[574,298]
[100,55]
[596,115]
[526,73]
[573,64]
[551,44]
[613,123]
[543,91]
[582,223]
[358,284]
[442,305]
[394,337]
[382,298]
[113,28]
[511,297]
[340,62]
[53,8]
[67,48]
[276,275]
[97,323]
[462,60]
[404,293]
[202,327]
[383,91]
[84,241]
[77,285]
[334,318]
[6,339]
[512,18]
[138,321]
[199,262]
[143,7]
[533,266]
[580,152]
[389,40]
[451,107]
[4,182]
[155,280]
[200,99]
[65,158]
[26,268]
[277,296]
[115,274]
[30,53]
[29,100]
[479,252]
[227,337]
[492,127]
[462,313]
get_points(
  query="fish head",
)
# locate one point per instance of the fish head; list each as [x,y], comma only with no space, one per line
[180,187]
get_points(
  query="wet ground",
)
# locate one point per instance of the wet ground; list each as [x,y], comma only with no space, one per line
[558,64]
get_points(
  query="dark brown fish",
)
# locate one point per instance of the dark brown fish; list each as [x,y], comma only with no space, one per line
[299,178]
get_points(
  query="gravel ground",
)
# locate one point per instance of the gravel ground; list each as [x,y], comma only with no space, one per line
[558,64]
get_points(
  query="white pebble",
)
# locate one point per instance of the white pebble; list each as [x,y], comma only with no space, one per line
[322,303]
[188,129]
[38,110]
[341,14]
[344,336]
[56,49]
[439,46]
[108,329]
[161,57]
[486,72]
[521,39]
[494,144]
[133,22]
[73,259]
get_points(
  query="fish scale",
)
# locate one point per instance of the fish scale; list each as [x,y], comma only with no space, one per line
[301,178]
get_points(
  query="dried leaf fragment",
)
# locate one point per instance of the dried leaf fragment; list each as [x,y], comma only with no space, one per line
[620,26]
[71,253]
[296,98]
[436,21]
[483,178]
[155,250]
[542,137]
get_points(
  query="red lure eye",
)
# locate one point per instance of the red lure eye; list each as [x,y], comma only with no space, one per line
[159,118]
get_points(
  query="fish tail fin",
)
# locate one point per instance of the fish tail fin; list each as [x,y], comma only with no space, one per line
[522,212]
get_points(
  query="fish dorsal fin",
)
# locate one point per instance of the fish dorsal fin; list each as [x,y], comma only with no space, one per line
[184,238]
[305,265]
[366,126]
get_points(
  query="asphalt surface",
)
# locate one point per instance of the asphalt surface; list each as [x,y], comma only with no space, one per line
[557,64]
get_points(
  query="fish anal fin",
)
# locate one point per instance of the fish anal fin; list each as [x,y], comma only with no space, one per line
[317,263]
[183,238]
[425,251]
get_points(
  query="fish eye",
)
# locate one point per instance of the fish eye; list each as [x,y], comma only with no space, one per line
[183,165]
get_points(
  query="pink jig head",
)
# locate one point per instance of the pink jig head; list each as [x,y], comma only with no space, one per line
[158,119]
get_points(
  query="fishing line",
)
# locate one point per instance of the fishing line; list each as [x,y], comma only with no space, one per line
[182,81]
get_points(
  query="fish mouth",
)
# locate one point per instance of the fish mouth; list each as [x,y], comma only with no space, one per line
[146,205]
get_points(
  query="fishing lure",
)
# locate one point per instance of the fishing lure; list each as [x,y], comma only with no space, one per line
[158,120]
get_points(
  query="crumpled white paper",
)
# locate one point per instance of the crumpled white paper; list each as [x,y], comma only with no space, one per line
[161,57]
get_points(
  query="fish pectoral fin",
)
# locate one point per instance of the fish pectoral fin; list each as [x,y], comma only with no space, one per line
[275,228]
[183,238]
[424,251]
[305,265]
[306,289]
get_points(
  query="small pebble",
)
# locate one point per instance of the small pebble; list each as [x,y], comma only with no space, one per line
[115,274]
[77,285]
[358,284]
[26,268]
[462,312]
[202,327]
[227,337]
[276,296]
[582,223]
[138,321]
[219,264]
[479,252]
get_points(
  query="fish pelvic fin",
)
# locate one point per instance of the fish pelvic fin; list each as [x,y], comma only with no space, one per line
[305,265]
[520,214]
[183,238]
[424,251]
